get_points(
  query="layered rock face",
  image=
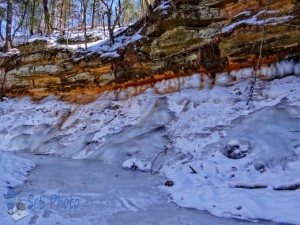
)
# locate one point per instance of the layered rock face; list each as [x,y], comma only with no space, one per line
[181,38]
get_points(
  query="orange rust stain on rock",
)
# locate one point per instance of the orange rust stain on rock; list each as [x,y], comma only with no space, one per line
[101,70]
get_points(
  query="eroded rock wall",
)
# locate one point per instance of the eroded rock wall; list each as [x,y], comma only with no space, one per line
[180,38]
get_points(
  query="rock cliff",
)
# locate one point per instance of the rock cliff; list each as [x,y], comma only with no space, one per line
[215,38]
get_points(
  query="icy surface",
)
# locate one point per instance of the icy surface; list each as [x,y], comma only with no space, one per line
[244,155]
[107,195]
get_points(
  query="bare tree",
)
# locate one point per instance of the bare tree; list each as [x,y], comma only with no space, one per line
[95,6]
[84,4]
[145,8]
[112,20]
[46,17]
[23,17]
[2,15]
[148,7]
[32,16]
[129,12]
[1,35]
[52,15]
[62,17]
[262,41]
[9,15]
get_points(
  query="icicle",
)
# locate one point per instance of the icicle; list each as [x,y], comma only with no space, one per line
[222,79]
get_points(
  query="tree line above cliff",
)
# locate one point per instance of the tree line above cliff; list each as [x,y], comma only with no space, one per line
[29,17]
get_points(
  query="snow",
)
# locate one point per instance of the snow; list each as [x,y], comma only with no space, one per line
[255,21]
[166,5]
[34,38]
[243,13]
[102,45]
[265,137]
[13,170]
[222,79]
[120,42]
[110,55]
[183,122]
[11,52]
[213,189]
[136,164]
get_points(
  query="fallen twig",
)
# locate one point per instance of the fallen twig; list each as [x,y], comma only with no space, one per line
[155,160]
[193,170]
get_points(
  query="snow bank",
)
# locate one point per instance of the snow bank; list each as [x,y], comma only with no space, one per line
[13,169]
[247,161]
[256,182]
[232,146]
[106,130]
[13,172]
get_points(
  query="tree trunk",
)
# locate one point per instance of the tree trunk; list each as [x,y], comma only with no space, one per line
[1,36]
[22,19]
[67,6]
[61,17]
[94,10]
[8,40]
[118,13]
[103,23]
[110,30]
[53,14]
[85,5]
[148,7]
[2,93]
[111,24]
[46,17]
[32,17]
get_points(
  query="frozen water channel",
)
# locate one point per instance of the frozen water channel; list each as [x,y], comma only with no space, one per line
[103,194]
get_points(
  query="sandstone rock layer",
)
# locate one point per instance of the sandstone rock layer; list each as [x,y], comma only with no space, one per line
[181,38]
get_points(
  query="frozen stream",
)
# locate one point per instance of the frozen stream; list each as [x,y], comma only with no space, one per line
[106,194]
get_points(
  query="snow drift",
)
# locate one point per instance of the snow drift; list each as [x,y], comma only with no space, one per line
[245,156]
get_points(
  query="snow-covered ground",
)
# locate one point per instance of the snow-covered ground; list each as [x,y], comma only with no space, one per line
[245,156]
